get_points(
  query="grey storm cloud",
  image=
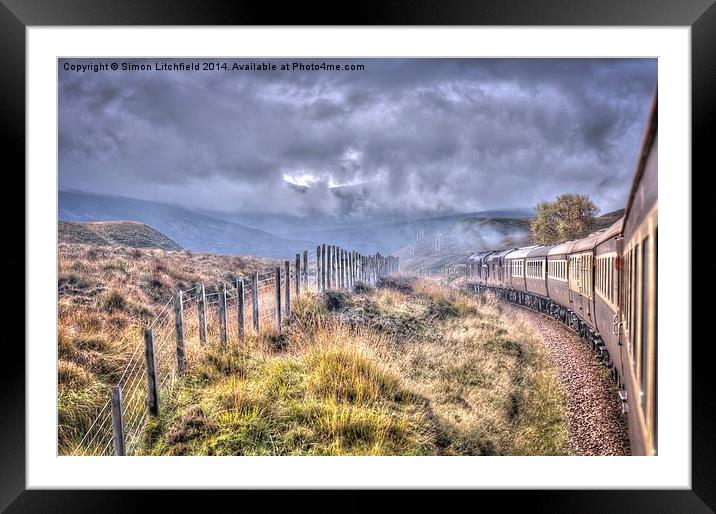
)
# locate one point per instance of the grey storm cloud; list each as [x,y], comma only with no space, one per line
[422,135]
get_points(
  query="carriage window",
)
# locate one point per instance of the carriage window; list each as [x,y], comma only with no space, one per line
[645,327]
[582,274]
[557,270]
[604,279]
[574,265]
[518,268]
[634,298]
[535,269]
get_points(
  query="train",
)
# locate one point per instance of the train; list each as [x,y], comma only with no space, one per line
[604,287]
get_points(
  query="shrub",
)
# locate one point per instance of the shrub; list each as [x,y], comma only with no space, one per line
[72,281]
[402,284]
[362,287]
[336,300]
[114,300]
[442,309]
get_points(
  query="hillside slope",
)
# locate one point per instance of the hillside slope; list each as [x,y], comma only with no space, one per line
[114,233]
[189,229]
[388,236]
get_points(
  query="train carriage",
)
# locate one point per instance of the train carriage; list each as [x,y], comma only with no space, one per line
[536,270]
[580,272]
[638,300]
[496,268]
[557,280]
[477,267]
[606,289]
[515,265]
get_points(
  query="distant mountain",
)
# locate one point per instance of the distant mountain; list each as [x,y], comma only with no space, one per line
[269,235]
[114,233]
[369,236]
[608,219]
[189,229]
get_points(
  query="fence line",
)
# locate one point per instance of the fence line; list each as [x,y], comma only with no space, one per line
[199,315]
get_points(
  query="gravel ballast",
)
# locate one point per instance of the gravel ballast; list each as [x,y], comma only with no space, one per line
[596,425]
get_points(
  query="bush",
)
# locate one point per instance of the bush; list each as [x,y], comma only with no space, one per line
[114,300]
[442,309]
[402,284]
[336,300]
[362,287]
[72,281]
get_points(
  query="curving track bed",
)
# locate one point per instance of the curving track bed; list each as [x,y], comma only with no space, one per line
[596,425]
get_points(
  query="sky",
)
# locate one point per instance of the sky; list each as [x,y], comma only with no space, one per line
[411,135]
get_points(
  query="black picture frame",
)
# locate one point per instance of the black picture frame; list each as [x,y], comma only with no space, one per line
[700,15]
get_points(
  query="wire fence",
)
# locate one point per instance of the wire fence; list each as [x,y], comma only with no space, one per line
[225,312]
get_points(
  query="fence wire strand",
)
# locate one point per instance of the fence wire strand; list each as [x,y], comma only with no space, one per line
[98,439]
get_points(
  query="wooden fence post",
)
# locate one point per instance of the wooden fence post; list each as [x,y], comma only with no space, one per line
[335,267]
[351,268]
[255,300]
[201,306]
[179,330]
[299,276]
[278,299]
[305,268]
[287,265]
[222,313]
[240,307]
[117,421]
[324,261]
[329,268]
[151,365]
[318,268]
[344,268]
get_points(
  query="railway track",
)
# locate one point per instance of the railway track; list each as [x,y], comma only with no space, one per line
[596,425]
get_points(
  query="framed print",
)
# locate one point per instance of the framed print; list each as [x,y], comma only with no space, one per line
[416,250]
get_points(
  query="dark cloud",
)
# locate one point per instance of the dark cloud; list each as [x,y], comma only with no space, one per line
[424,134]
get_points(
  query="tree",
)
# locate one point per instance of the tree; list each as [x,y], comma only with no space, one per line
[568,217]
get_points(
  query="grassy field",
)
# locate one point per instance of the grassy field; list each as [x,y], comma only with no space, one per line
[409,368]
[106,295]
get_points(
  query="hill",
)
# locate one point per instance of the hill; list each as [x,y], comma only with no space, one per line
[114,233]
[191,230]
[390,235]
[608,219]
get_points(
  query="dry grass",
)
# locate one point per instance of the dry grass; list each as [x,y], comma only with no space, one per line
[106,296]
[456,379]
[409,368]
